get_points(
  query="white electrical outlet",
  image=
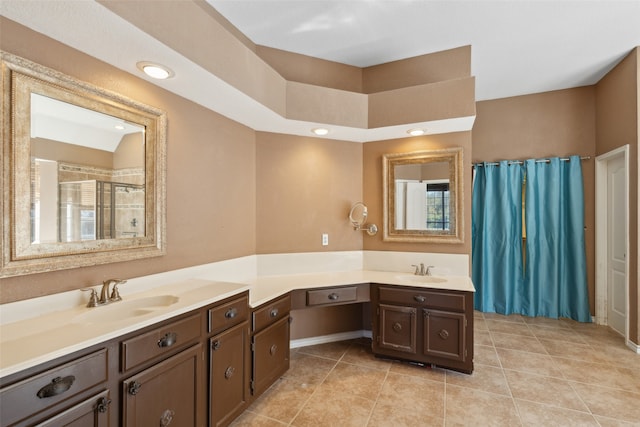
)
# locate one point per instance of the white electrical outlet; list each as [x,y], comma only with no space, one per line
[325,239]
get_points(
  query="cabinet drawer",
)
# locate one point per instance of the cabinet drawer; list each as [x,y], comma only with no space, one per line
[229,314]
[443,300]
[162,340]
[271,312]
[332,295]
[51,387]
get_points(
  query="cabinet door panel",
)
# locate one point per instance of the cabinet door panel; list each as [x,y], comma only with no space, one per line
[444,334]
[165,394]
[270,355]
[398,328]
[92,412]
[229,379]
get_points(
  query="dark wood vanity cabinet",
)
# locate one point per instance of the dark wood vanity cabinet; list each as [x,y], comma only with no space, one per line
[155,376]
[424,325]
[269,343]
[229,370]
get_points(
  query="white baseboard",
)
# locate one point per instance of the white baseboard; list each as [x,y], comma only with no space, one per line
[323,339]
[633,346]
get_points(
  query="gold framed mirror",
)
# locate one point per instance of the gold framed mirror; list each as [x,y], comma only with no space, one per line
[423,196]
[83,173]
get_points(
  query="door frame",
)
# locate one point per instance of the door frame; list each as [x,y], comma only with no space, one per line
[602,191]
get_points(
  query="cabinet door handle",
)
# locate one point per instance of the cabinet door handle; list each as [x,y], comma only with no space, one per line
[333,296]
[216,345]
[274,312]
[57,386]
[231,313]
[168,340]
[397,327]
[444,334]
[273,349]
[419,298]
[134,387]
[229,372]
[103,405]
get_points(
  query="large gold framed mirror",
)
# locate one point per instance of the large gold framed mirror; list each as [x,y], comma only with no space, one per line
[423,196]
[83,173]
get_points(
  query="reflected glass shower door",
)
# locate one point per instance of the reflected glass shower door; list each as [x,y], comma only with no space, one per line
[77,211]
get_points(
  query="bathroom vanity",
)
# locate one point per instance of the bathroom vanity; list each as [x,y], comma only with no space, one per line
[201,353]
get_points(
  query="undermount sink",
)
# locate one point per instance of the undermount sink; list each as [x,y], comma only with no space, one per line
[421,279]
[122,310]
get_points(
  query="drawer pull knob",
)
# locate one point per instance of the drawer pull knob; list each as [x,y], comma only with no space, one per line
[419,298]
[231,313]
[57,386]
[168,340]
[273,349]
[166,418]
[134,387]
[216,345]
[103,405]
[228,373]
[397,327]
[333,296]
[274,312]
[444,334]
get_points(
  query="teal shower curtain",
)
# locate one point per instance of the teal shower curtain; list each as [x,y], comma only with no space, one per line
[552,280]
[556,271]
[496,251]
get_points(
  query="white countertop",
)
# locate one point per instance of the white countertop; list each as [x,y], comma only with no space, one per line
[29,342]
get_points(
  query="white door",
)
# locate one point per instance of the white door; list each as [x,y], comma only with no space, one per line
[416,204]
[616,245]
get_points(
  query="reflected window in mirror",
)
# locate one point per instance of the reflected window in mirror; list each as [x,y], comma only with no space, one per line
[423,196]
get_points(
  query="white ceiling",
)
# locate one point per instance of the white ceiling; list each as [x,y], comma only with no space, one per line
[518,47]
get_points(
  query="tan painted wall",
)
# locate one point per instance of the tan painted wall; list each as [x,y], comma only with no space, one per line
[559,123]
[435,67]
[617,118]
[314,71]
[306,187]
[372,182]
[206,217]
[60,151]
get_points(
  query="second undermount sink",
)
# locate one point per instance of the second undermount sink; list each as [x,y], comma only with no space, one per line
[126,309]
[421,279]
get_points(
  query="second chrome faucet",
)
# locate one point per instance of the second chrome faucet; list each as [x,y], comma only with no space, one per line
[105,296]
[421,270]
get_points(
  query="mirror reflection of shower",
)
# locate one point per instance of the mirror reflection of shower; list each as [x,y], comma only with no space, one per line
[91,210]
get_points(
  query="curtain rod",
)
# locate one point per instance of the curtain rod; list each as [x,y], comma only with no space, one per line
[519,162]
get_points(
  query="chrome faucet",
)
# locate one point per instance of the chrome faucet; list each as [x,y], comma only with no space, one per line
[421,270]
[105,298]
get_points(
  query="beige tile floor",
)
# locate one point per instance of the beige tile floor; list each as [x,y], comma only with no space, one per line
[528,372]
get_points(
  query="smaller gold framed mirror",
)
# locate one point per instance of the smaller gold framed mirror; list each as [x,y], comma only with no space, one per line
[423,196]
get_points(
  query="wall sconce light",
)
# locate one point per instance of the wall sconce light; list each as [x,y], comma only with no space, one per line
[358,218]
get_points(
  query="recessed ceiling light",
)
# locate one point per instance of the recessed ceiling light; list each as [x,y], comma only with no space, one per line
[154,70]
[119,127]
[416,132]
[320,131]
